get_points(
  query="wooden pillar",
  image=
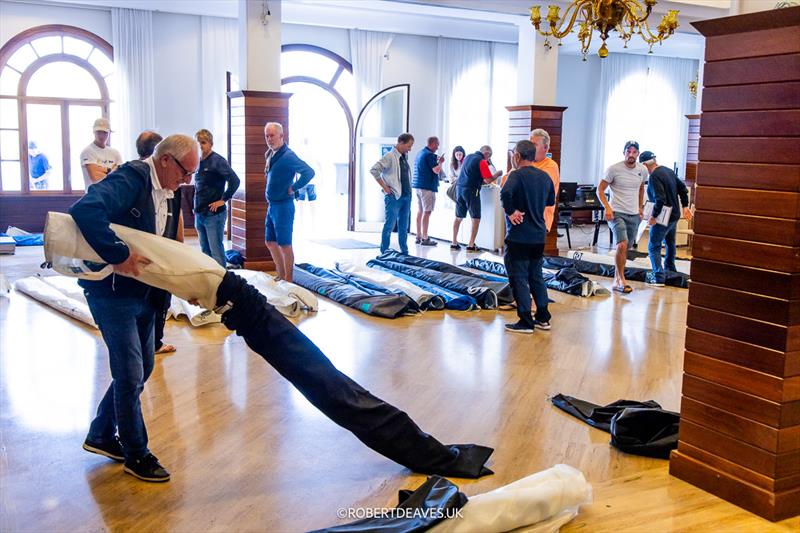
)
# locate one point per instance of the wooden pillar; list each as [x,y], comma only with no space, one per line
[740,410]
[521,120]
[250,111]
[692,150]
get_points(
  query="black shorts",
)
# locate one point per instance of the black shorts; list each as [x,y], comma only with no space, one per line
[468,200]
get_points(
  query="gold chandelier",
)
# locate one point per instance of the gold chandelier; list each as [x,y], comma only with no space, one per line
[627,17]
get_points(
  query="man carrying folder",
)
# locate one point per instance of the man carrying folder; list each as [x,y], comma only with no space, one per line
[666,192]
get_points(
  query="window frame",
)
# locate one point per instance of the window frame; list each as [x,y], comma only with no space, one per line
[22,99]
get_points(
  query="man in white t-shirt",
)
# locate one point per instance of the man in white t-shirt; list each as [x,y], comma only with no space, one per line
[98,159]
[626,180]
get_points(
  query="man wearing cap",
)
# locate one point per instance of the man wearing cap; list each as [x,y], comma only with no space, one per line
[626,180]
[664,189]
[98,159]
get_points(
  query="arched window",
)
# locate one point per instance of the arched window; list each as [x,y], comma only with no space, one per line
[54,83]
[321,120]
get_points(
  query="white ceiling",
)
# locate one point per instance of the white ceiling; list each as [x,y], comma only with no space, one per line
[494,20]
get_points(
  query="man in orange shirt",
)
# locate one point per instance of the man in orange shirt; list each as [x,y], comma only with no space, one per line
[541,139]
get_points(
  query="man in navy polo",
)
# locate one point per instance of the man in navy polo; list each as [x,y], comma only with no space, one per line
[426,183]
[286,173]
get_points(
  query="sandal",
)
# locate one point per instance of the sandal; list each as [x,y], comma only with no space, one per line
[165,348]
[473,249]
[627,289]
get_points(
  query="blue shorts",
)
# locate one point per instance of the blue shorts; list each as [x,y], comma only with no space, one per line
[624,227]
[468,200]
[280,222]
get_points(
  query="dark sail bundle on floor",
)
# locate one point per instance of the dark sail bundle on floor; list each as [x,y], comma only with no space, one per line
[566,279]
[358,294]
[379,425]
[432,502]
[640,428]
[673,279]
[501,288]
[452,300]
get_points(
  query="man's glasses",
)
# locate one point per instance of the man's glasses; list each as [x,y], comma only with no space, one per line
[183,169]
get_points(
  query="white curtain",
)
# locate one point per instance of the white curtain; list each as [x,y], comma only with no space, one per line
[504,93]
[368,51]
[642,98]
[134,109]
[464,93]
[220,54]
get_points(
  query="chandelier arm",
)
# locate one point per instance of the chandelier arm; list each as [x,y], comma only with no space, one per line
[650,38]
[632,6]
[560,34]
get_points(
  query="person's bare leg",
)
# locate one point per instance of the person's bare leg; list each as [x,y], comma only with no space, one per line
[288,262]
[426,218]
[419,225]
[476,222]
[619,260]
[456,226]
[277,257]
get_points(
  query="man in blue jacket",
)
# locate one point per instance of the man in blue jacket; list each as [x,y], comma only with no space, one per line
[525,195]
[135,195]
[281,169]
[426,182]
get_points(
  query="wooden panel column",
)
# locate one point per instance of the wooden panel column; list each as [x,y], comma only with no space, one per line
[250,111]
[740,425]
[692,151]
[521,120]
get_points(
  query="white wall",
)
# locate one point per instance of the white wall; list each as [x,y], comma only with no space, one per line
[16,17]
[577,82]
[178,91]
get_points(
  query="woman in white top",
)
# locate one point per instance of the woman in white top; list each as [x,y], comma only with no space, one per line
[456,161]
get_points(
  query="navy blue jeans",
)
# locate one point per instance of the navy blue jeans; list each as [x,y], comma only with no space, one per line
[662,235]
[211,231]
[127,328]
[397,210]
[524,268]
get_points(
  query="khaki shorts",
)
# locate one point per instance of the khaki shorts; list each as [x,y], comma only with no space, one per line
[426,200]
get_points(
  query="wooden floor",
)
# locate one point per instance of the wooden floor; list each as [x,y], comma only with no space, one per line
[249,453]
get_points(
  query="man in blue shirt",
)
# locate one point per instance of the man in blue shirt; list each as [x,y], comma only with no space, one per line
[525,195]
[135,195]
[281,169]
[426,181]
[38,166]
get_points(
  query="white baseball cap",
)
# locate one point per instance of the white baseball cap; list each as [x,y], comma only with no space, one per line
[102,124]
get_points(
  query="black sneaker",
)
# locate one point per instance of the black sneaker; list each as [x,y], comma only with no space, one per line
[473,249]
[541,325]
[455,246]
[652,280]
[427,241]
[519,327]
[147,468]
[112,449]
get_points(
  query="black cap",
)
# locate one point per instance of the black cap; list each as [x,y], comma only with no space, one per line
[646,156]
[629,144]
